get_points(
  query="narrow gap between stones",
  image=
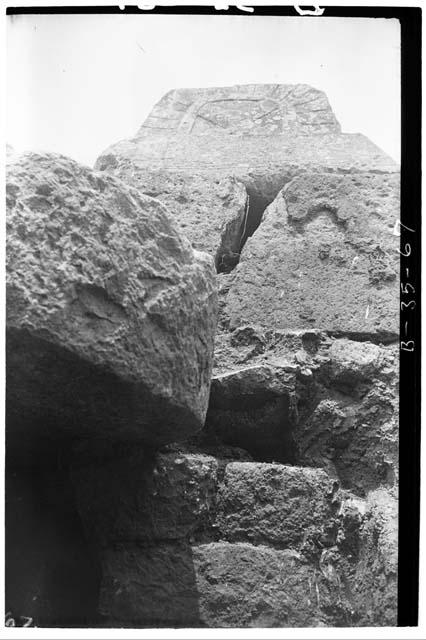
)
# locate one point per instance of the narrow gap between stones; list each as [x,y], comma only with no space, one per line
[226,259]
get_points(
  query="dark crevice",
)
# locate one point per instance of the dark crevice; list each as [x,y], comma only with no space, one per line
[261,424]
[379,337]
[52,570]
[234,238]
[256,208]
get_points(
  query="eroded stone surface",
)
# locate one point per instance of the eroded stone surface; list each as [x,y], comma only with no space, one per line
[218,585]
[319,274]
[348,415]
[110,313]
[209,212]
[251,109]
[287,547]
[256,586]
[191,537]
[275,504]
[375,582]
[324,257]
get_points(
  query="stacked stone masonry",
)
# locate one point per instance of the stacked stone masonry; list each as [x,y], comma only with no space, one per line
[203,371]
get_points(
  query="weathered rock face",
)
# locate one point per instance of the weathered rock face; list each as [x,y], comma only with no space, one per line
[275,504]
[281,511]
[110,327]
[218,585]
[210,213]
[111,314]
[161,564]
[252,545]
[339,408]
[349,421]
[259,137]
[324,257]
[375,581]
[243,110]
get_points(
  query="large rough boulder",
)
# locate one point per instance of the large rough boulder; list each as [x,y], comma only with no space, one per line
[325,257]
[110,313]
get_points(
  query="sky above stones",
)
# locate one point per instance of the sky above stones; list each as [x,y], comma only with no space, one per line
[77,84]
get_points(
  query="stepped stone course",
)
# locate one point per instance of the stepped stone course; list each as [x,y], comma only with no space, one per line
[284,546]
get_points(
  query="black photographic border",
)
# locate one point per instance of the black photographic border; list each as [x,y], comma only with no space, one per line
[410,322]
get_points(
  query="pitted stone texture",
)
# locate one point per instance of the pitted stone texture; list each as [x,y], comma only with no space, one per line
[324,257]
[348,421]
[254,408]
[275,504]
[376,585]
[217,585]
[242,585]
[209,212]
[252,109]
[353,362]
[110,313]
[136,499]
[250,344]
